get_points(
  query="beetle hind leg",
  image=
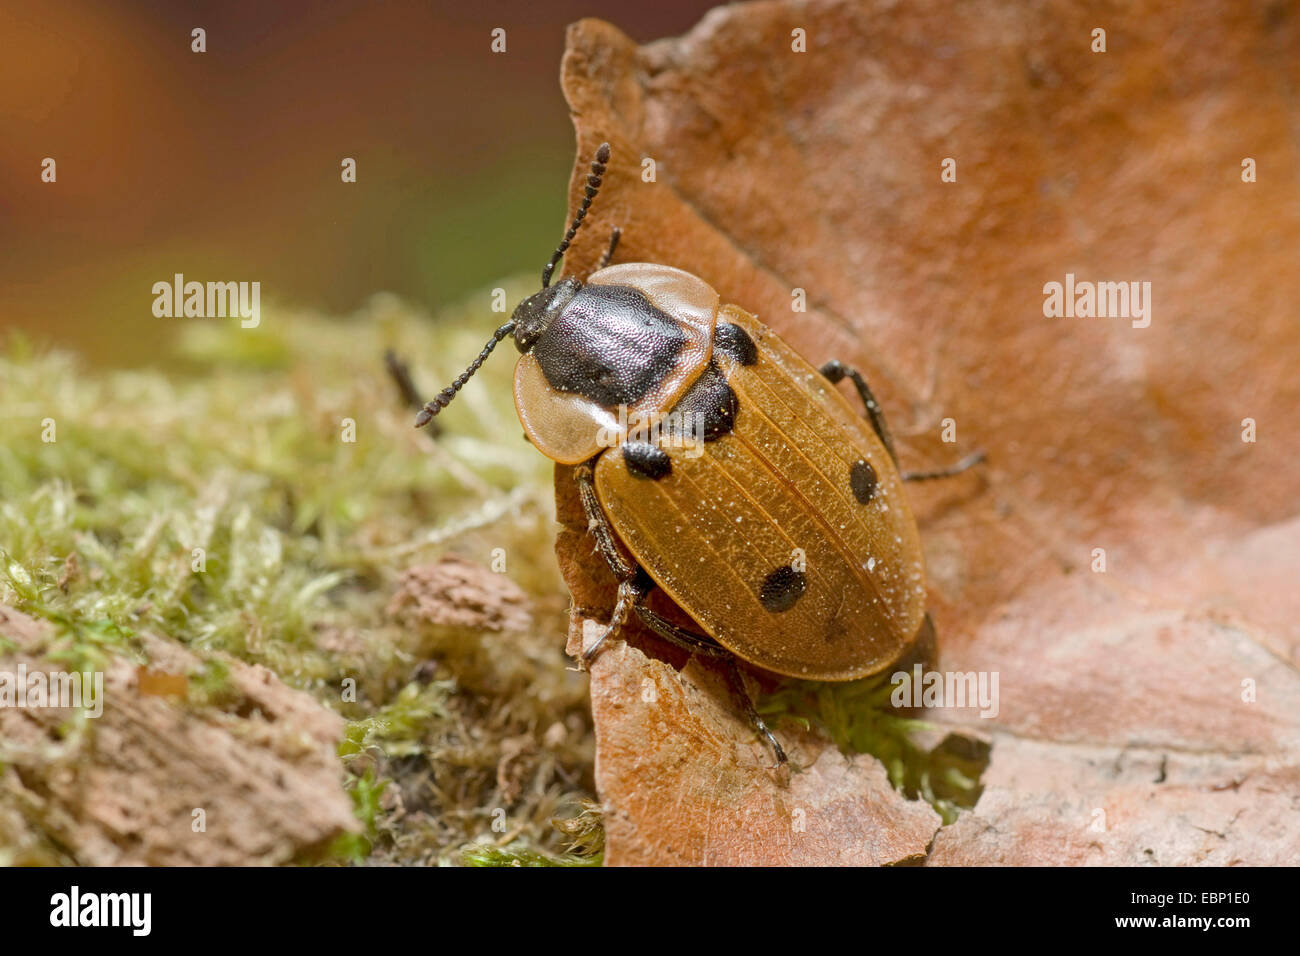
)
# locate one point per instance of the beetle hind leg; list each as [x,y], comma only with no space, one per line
[700,644]
[738,686]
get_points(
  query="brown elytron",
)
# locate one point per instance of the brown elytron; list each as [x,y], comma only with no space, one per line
[778,492]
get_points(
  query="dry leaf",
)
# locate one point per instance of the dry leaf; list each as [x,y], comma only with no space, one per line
[1150,712]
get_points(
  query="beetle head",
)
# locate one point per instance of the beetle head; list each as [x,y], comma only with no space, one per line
[532,316]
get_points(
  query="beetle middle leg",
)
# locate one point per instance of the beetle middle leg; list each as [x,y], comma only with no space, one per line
[836,371]
[633,589]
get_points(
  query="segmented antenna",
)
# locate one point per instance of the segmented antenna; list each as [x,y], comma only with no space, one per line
[443,398]
[593,187]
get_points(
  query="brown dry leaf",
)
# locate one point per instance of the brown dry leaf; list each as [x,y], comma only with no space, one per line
[1127,730]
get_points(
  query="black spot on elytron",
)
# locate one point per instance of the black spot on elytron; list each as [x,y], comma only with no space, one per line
[610,345]
[782,588]
[644,460]
[710,400]
[734,341]
[863,481]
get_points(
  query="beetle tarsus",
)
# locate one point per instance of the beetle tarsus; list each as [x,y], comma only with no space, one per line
[590,653]
[970,461]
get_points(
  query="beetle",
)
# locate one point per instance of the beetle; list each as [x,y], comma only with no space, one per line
[782,530]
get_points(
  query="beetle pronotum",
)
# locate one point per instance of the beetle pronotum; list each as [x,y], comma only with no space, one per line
[787,537]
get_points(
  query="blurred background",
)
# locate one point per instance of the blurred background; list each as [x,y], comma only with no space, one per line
[225,165]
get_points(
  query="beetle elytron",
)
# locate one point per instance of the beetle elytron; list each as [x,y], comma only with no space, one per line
[788,540]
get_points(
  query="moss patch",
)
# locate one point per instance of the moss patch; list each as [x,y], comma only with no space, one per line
[261,497]
[859,718]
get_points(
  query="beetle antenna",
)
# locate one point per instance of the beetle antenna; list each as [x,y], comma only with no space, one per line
[593,187]
[443,398]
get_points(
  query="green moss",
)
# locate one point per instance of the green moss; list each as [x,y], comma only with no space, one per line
[511,856]
[396,726]
[258,497]
[586,845]
[859,718]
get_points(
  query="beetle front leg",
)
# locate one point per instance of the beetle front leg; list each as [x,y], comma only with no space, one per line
[400,372]
[630,586]
[836,371]
[629,593]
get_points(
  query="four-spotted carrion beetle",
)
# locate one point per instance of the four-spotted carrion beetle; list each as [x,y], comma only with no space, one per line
[784,532]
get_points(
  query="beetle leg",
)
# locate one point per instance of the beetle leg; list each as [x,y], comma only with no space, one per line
[700,644]
[738,685]
[631,585]
[679,636]
[608,257]
[628,594]
[957,468]
[400,373]
[836,371]
[598,524]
